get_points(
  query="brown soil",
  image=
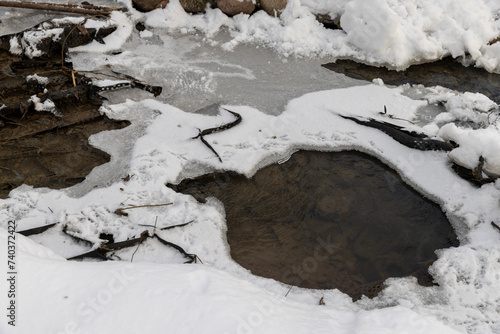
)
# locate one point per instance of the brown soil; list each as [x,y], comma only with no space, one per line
[39,148]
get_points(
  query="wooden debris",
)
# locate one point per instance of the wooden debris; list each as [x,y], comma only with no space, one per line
[495,226]
[210,147]
[218,129]
[68,8]
[192,257]
[168,227]
[80,92]
[127,178]
[144,235]
[36,230]
[394,117]
[475,176]
[121,213]
[291,286]
[78,239]
[222,127]
[410,139]
[102,251]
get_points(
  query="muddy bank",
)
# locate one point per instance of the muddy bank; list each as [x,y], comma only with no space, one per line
[41,148]
[446,72]
[328,220]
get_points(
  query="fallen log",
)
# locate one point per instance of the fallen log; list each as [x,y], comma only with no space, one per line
[67,8]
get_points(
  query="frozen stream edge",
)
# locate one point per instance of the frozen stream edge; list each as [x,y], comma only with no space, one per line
[156,149]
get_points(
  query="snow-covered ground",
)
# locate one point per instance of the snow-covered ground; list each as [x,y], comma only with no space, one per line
[249,65]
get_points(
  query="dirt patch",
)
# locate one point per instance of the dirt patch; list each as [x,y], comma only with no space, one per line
[40,148]
[328,220]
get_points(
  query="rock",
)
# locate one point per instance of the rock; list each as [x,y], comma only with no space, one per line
[195,6]
[190,6]
[234,7]
[273,7]
[328,22]
[140,26]
[148,5]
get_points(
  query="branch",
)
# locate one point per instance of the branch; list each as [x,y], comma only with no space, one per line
[495,226]
[217,129]
[79,9]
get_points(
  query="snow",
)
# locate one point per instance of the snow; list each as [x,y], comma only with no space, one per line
[385,32]
[473,144]
[124,28]
[402,32]
[37,78]
[47,105]
[81,298]
[163,153]
[196,58]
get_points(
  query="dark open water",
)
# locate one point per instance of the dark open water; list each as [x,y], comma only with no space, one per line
[328,220]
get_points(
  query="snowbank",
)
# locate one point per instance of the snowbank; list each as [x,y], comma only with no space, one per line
[391,33]
[67,297]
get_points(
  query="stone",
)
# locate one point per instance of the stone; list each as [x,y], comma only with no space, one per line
[328,22]
[195,6]
[190,6]
[234,7]
[148,5]
[273,7]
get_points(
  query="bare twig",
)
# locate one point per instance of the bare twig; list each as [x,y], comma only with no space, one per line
[77,9]
[210,147]
[217,129]
[392,116]
[144,235]
[291,286]
[192,257]
[168,227]
[145,206]
[222,127]
[495,226]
